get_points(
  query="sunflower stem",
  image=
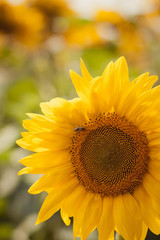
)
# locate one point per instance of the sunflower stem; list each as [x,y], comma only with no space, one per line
[117,236]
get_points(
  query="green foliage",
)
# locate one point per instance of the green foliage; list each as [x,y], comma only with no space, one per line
[5,231]
[22,97]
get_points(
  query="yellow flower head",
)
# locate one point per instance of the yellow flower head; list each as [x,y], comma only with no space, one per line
[110,16]
[83,36]
[21,23]
[52,8]
[99,154]
[129,37]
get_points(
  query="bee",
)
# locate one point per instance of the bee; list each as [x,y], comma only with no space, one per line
[79,129]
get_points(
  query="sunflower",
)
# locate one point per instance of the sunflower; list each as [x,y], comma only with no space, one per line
[83,36]
[128,36]
[99,154]
[21,23]
[52,9]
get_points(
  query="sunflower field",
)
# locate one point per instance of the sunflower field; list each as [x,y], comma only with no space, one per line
[80,120]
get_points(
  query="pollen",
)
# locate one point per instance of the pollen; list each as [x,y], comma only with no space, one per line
[111,156]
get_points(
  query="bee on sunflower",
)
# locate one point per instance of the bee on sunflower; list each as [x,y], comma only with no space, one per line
[106,176]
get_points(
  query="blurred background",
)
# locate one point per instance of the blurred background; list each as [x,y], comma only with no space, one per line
[40,40]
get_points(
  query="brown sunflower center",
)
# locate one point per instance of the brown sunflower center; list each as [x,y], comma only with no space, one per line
[110,156]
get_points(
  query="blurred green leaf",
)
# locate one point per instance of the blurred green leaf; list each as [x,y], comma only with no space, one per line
[97,58]
[3,206]
[5,231]
[22,97]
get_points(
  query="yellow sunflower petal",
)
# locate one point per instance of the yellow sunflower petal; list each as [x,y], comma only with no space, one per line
[31,170]
[108,78]
[38,123]
[78,218]
[144,231]
[48,108]
[111,237]
[122,73]
[142,195]
[49,207]
[99,102]
[141,231]
[106,224]
[144,82]
[152,186]
[86,75]
[81,85]
[39,142]
[150,217]
[79,113]
[141,80]
[114,80]
[91,212]
[124,215]
[154,169]
[52,179]
[103,91]
[133,99]
[53,201]
[61,110]
[48,158]
[65,217]
[75,200]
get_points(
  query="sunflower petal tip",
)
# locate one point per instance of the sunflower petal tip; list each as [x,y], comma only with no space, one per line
[18,142]
[20,161]
[31,189]
[71,72]
[155,77]
[74,76]
[20,172]
[84,71]
[37,222]
[122,60]
[82,63]
[42,104]
[108,68]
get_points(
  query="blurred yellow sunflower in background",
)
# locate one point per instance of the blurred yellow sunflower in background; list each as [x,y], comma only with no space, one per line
[129,37]
[99,154]
[55,14]
[21,23]
[83,36]
[52,9]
